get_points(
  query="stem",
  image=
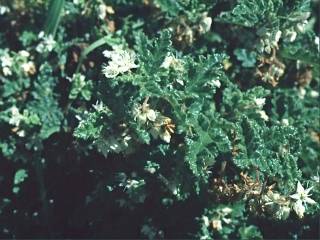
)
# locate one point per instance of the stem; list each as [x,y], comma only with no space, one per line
[42,192]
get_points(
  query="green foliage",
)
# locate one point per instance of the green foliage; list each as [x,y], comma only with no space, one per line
[159,119]
[54,15]
[19,178]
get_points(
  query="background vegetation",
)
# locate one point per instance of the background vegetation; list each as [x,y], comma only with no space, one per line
[159,119]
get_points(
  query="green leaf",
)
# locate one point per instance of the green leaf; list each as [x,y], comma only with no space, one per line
[247,58]
[109,40]
[252,13]
[20,176]
[297,50]
[54,15]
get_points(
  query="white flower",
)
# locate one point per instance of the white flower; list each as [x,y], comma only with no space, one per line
[277,36]
[149,114]
[226,210]
[171,61]
[303,194]
[285,122]
[263,115]
[216,224]
[283,212]
[215,83]
[301,26]
[24,53]
[302,198]
[314,93]
[29,68]
[167,62]
[227,220]
[47,44]
[6,61]
[163,128]
[206,221]
[102,11]
[21,133]
[260,102]
[16,117]
[6,71]
[299,208]
[180,81]
[165,136]
[121,61]
[3,10]
[291,35]
[317,42]
[143,113]
[205,24]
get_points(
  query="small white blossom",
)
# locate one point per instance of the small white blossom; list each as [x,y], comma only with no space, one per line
[205,24]
[206,221]
[165,136]
[102,11]
[6,61]
[21,133]
[299,208]
[226,210]
[227,220]
[285,122]
[302,198]
[277,36]
[263,115]
[3,10]
[143,114]
[121,61]
[24,53]
[291,35]
[171,61]
[6,71]
[301,26]
[216,83]
[180,81]
[216,224]
[29,68]
[16,117]
[317,42]
[47,44]
[163,128]
[314,93]
[303,194]
[260,102]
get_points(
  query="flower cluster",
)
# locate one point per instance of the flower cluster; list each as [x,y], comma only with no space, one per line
[47,43]
[6,64]
[121,61]
[221,216]
[157,124]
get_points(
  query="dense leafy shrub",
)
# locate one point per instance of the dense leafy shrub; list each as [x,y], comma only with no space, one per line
[159,119]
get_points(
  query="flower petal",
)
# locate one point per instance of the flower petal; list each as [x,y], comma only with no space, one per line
[295,196]
[309,200]
[300,188]
[308,190]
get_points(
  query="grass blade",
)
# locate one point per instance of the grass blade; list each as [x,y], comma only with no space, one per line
[54,15]
[102,41]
